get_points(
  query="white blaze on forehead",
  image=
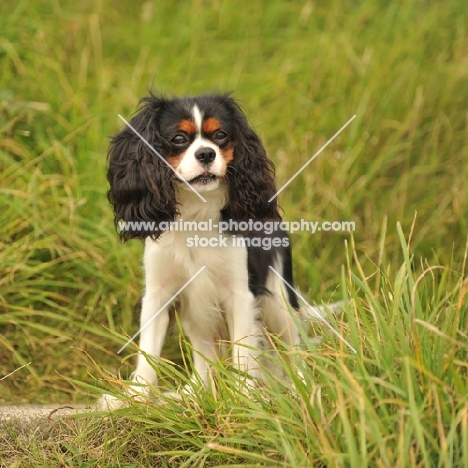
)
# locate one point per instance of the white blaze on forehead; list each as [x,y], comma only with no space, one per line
[197,118]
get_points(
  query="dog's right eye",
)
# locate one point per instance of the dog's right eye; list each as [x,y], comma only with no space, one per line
[180,140]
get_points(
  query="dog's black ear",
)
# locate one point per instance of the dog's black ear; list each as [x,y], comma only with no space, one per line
[141,191]
[251,175]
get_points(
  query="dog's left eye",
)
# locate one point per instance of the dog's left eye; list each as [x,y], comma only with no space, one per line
[220,135]
[179,139]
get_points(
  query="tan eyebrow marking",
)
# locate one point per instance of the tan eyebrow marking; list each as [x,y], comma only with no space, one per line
[211,125]
[187,126]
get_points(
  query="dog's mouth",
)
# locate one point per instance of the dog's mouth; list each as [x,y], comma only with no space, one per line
[203,179]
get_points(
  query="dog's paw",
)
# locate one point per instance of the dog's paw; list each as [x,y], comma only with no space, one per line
[321,312]
[108,402]
[190,389]
[138,393]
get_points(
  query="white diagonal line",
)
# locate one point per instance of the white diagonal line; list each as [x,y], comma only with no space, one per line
[161,309]
[312,158]
[313,309]
[160,157]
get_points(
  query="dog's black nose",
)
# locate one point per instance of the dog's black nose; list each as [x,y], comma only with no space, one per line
[205,155]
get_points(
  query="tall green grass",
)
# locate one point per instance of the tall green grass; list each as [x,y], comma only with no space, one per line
[402,400]
[300,69]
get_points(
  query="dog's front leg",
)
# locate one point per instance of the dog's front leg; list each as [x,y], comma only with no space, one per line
[153,325]
[245,333]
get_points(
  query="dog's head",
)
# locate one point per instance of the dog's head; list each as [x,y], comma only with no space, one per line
[202,141]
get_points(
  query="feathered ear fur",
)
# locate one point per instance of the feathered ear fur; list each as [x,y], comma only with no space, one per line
[140,182]
[251,175]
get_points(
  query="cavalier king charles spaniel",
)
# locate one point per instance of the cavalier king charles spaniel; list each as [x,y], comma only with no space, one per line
[197,160]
